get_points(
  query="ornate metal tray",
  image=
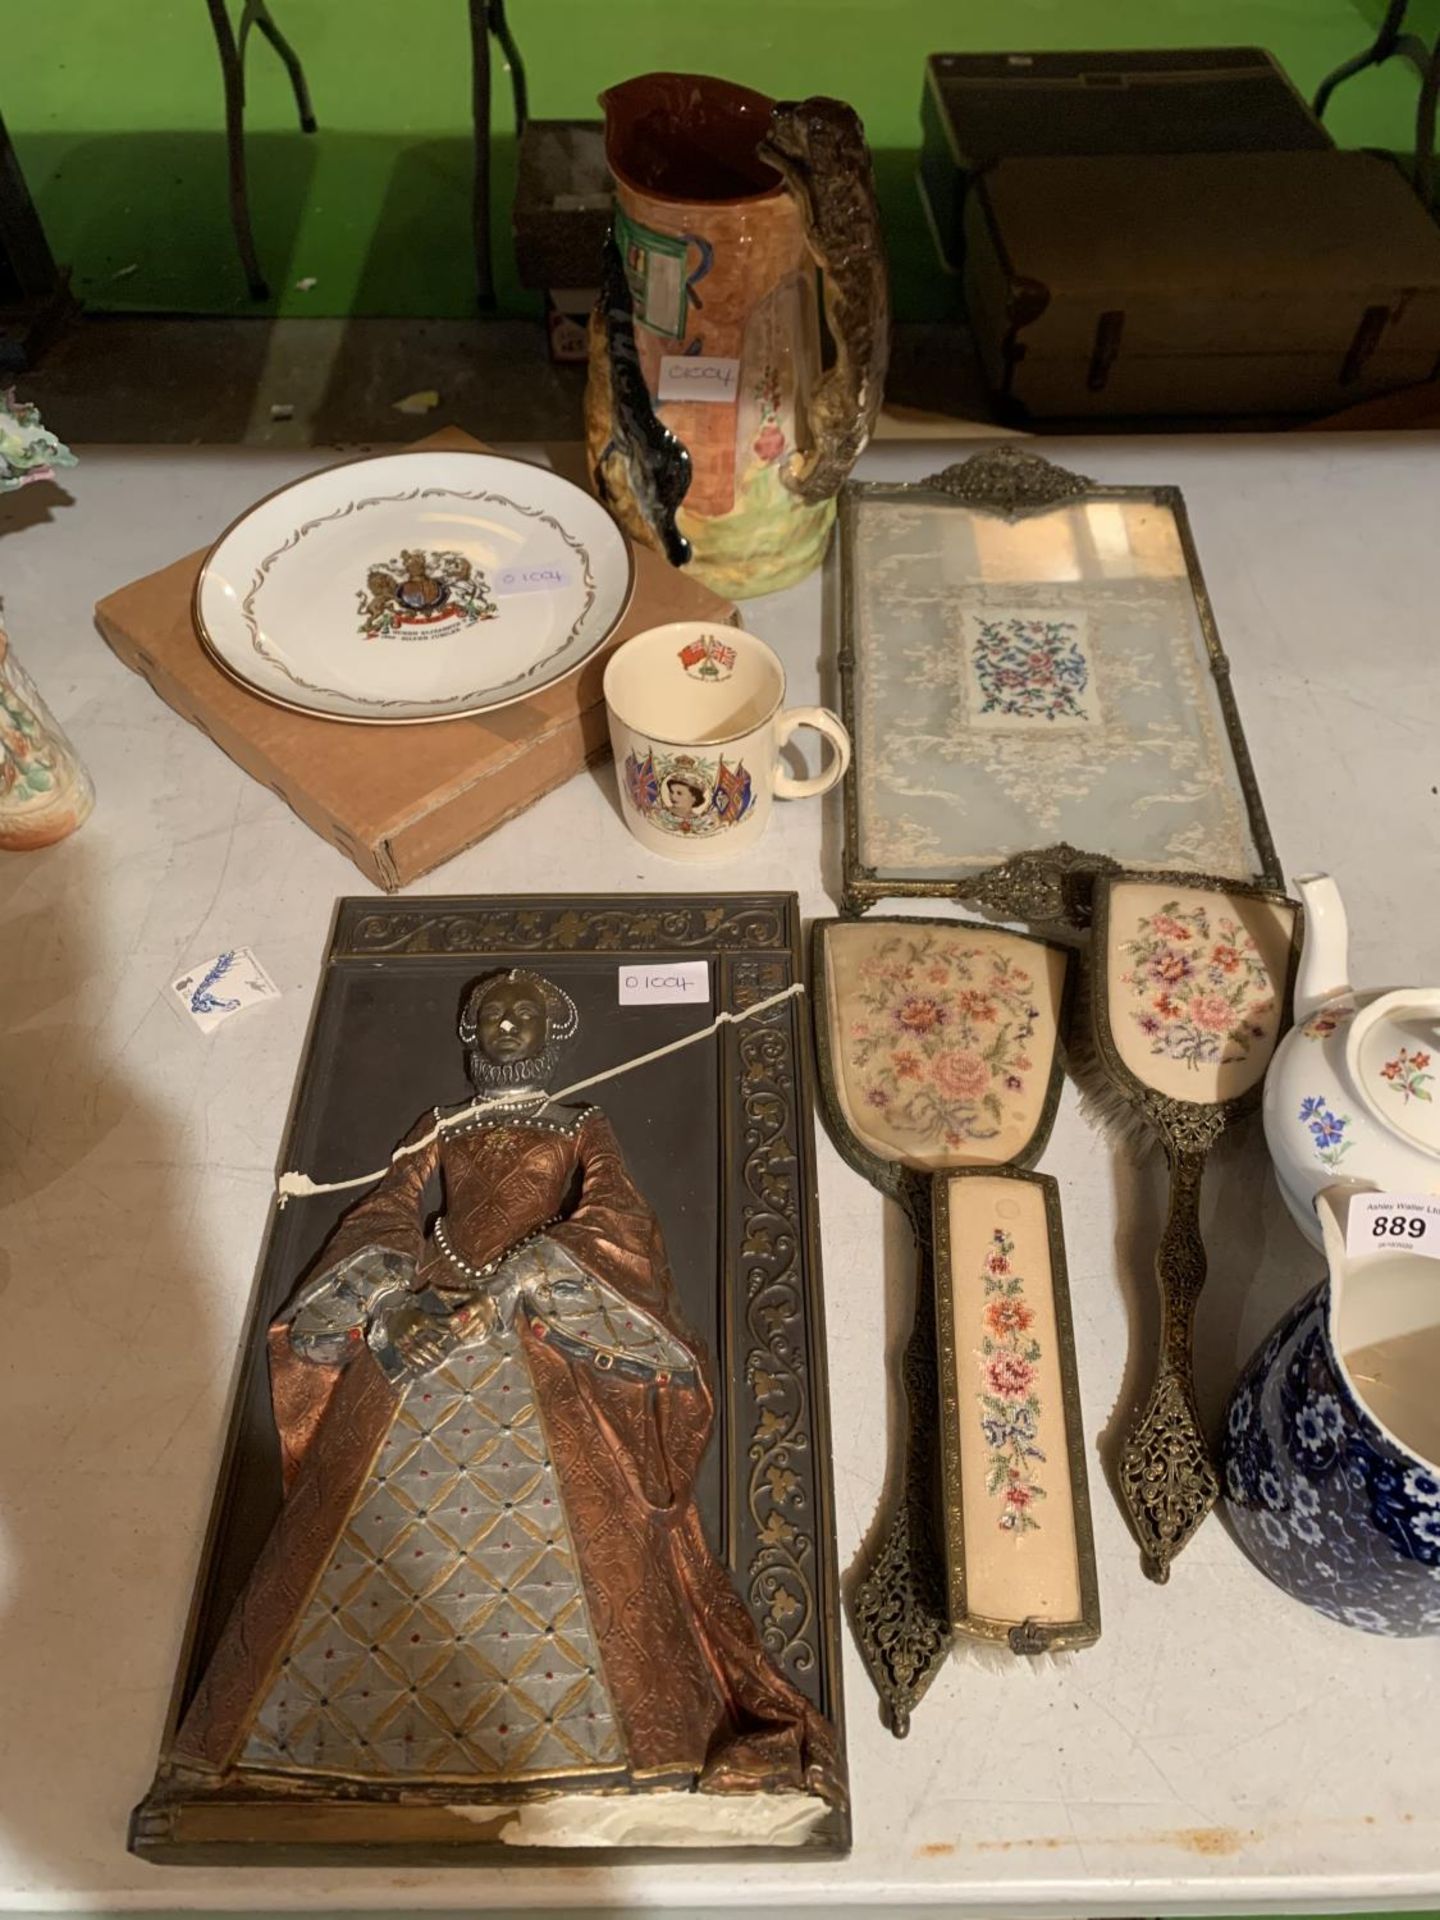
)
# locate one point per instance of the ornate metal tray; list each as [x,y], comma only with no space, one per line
[717,1140]
[1033,680]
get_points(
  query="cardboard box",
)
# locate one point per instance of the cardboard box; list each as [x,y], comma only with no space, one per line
[564,202]
[978,108]
[1203,283]
[398,800]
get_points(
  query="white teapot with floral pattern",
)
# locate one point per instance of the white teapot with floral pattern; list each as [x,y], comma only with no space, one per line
[1350,1099]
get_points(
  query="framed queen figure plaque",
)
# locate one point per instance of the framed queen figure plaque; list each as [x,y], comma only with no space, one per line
[523,1539]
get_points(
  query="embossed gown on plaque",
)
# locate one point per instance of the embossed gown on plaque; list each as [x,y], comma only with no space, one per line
[496,1568]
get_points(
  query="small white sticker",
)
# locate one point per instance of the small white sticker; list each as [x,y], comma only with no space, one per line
[1393,1223]
[673,983]
[547,576]
[692,376]
[230,982]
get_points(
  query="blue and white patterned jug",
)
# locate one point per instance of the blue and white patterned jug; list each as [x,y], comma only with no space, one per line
[1333,1436]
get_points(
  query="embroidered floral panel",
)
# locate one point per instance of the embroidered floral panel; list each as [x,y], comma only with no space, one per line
[943,1038]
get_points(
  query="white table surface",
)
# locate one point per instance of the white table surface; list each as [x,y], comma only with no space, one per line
[1221,1749]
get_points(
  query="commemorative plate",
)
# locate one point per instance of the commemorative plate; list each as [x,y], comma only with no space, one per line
[413,586]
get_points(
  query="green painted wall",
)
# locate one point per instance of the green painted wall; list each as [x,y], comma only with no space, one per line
[116,114]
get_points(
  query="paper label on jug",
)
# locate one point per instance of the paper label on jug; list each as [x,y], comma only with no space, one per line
[1393,1223]
[693,376]
[655,272]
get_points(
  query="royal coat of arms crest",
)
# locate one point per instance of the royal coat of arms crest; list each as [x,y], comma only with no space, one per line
[423,593]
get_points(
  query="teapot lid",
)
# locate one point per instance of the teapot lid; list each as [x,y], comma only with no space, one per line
[1391,1051]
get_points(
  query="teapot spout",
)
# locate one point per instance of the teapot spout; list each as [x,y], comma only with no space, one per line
[1324,967]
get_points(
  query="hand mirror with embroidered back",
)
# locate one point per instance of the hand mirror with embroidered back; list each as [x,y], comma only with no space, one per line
[1191,992]
[939,1052]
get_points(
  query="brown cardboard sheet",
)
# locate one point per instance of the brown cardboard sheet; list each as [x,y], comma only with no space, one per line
[397,800]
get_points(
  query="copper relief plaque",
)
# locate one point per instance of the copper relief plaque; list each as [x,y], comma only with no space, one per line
[526,1537]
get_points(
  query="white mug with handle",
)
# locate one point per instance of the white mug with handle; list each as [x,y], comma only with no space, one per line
[697,719]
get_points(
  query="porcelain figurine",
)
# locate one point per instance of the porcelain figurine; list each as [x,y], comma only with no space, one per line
[1333,1437]
[1350,1096]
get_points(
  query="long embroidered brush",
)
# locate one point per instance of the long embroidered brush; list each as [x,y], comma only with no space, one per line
[1189,992]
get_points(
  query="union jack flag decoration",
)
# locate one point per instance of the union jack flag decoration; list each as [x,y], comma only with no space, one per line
[708,658]
[731,797]
[641,781]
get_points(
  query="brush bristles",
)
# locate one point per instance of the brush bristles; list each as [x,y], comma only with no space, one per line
[1103,1102]
[995,1657]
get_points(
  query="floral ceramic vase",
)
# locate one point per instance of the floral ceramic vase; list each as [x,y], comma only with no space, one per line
[45,793]
[1331,1442]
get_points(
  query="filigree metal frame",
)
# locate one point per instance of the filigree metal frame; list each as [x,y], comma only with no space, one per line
[1167,1478]
[1047,886]
[1030,1636]
[777,1519]
[900,1611]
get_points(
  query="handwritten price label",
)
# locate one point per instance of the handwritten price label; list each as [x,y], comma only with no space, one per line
[693,376]
[1394,1223]
[543,577]
[673,984]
